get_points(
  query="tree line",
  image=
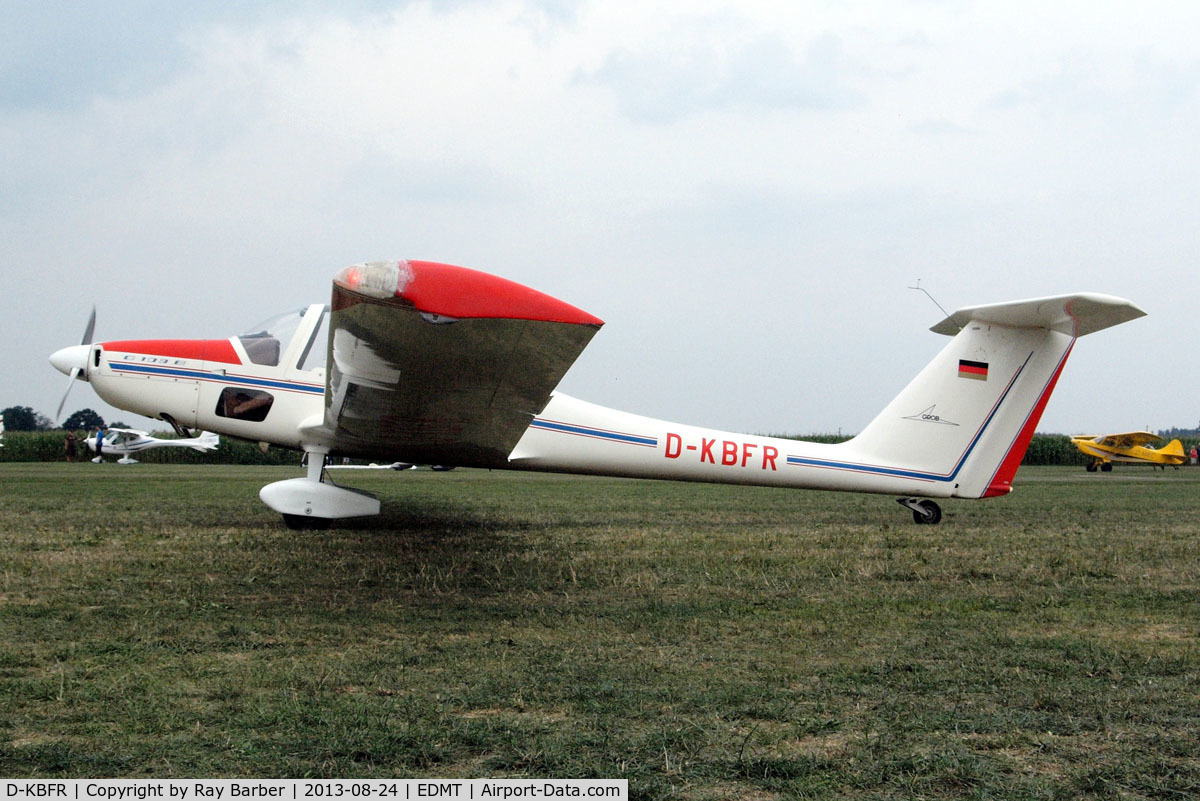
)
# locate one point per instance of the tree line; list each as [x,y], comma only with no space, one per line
[1044,449]
[50,446]
[24,418]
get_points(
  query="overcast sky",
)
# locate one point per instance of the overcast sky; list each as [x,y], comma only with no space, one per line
[743,191]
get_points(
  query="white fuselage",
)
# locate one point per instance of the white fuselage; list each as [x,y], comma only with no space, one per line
[574,436]
[190,391]
[958,429]
[216,386]
[569,435]
[126,442]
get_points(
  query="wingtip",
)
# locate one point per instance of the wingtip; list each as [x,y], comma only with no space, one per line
[456,292]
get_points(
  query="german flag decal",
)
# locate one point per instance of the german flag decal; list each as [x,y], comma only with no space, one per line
[970,369]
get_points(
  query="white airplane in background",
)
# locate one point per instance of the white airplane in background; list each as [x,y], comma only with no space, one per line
[430,363]
[371,466]
[124,442]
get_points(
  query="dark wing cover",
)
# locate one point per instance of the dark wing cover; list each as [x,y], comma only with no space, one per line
[450,368]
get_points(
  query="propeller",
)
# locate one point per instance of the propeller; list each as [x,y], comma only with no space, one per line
[73,360]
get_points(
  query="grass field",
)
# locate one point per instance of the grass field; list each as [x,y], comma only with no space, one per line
[703,642]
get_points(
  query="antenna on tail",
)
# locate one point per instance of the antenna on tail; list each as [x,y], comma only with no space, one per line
[920,288]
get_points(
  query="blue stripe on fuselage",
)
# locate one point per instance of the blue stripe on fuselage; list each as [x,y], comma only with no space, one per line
[916,474]
[599,433]
[204,375]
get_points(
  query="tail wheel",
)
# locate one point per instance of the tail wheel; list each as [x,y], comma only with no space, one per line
[925,512]
[929,514]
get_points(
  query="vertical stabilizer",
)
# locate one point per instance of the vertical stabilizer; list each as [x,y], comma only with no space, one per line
[968,417]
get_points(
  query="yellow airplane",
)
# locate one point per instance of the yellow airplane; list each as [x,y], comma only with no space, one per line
[1108,448]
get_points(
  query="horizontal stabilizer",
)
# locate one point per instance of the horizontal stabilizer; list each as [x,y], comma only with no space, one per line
[1073,315]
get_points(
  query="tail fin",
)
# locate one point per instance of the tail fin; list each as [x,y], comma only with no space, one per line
[207,441]
[970,414]
[1173,448]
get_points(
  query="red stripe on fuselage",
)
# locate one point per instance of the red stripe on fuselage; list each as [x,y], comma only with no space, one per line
[209,350]
[1001,483]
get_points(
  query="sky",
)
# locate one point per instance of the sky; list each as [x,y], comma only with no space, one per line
[743,191]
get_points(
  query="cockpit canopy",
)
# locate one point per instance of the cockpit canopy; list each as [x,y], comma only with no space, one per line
[266,342]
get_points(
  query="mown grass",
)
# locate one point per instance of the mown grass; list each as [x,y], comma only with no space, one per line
[703,642]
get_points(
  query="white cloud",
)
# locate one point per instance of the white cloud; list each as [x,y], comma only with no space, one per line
[748,187]
[760,75]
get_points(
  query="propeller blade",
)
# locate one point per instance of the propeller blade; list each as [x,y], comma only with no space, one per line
[75,371]
[63,402]
[91,326]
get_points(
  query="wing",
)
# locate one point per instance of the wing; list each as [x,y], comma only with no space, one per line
[435,364]
[1134,439]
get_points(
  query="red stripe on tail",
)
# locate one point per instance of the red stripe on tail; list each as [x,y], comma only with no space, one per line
[1001,483]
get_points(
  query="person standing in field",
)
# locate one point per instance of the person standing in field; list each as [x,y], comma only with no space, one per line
[71,445]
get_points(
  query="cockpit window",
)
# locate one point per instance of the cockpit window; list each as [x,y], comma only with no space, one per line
[266,342]
[261,348]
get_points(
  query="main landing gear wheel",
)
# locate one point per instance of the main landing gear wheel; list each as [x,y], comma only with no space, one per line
[925,512]
[314,502]
[1106,467]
